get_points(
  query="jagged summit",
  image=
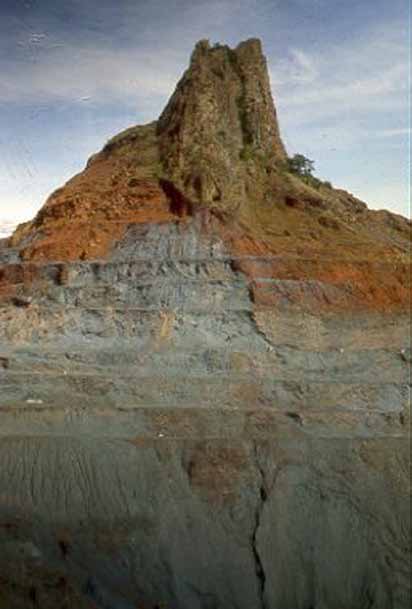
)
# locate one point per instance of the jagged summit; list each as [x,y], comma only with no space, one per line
[204,374]
[221,111]
[216,151]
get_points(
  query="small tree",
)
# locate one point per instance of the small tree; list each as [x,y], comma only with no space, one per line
[301,165]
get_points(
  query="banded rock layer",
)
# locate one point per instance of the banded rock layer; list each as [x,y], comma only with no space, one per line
[205,375]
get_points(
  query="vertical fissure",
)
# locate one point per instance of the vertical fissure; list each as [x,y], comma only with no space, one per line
[263,495]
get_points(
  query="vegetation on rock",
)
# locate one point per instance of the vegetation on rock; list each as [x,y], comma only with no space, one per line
[191,414]
[303,167]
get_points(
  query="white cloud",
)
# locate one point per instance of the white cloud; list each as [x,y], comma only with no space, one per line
[367,75]
[348,109]
[6,228]
[98,74]
[64,68]
[328,99]
[297,68]
[404,131]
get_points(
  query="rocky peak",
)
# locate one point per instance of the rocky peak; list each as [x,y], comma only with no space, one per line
[205,409]
[220,115]
[216,147]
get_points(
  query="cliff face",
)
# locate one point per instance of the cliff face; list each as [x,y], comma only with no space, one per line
[222,109]
[216,154]
[204,374]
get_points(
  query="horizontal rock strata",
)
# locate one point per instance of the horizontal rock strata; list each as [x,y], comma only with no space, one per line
[205,397]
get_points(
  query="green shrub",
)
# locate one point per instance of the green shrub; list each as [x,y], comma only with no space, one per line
[301,166]
[312,181]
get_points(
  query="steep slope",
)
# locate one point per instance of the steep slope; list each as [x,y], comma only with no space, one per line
[204,374]
[216,151]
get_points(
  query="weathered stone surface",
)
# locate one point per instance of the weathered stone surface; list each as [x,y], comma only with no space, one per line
[222,110]
[198,411]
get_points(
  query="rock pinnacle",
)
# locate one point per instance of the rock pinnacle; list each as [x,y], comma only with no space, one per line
[220,116]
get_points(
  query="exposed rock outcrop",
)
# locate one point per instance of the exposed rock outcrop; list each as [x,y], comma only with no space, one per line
[221,112]
[205,374]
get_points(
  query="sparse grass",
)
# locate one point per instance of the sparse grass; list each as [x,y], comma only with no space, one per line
[251,153]
[311,181]
[158,171]
[129,136]
[306,177]
[247,153]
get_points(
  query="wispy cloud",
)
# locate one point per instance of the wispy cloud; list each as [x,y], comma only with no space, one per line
[347,107]
[87,68]
[6,228]
[297,68]
[115,53]
[369,75]
[403,132]
[89,73]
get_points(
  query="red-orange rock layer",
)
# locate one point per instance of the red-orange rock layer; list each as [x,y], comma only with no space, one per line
[84,218]
[327,249]
[323,279]
[87,225]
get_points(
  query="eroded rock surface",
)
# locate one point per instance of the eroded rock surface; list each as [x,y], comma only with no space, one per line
[198,410]
[221,112]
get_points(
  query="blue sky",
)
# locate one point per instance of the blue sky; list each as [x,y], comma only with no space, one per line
[75,72]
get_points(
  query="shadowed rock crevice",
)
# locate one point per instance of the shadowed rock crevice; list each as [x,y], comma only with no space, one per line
[204,374]
[179,204]
[262,498]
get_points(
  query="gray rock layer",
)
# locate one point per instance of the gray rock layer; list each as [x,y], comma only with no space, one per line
[163,443]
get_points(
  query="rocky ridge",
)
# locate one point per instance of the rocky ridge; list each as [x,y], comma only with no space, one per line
[205,374]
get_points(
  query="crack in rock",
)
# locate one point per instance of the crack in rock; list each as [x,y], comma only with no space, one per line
[263,495]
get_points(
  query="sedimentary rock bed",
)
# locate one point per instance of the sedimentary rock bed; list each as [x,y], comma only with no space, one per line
[198,410]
